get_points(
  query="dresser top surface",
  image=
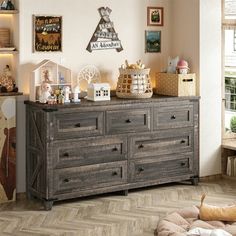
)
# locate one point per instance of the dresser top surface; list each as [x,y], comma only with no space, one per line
[113,101]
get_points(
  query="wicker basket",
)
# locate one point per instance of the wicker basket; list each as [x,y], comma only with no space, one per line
[4,37]
[134,83]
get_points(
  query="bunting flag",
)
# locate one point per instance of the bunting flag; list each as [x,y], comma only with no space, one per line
[105,36]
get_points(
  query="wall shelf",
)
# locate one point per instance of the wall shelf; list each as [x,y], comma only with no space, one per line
[9,11]
[9,52]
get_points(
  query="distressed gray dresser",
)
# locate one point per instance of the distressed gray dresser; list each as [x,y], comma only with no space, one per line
[77,150]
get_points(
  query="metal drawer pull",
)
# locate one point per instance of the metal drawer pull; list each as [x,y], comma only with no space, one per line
[128,121]
[173,117]
[115,149]
[140,146]
[182,141]
[66,154]
[114,173]
[141,169]
[66,180]
[77,125]
[183,164]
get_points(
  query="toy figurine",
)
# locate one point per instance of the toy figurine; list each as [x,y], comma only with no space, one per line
[75,93]
[67,92]
[6,79]
[182,67]
[45,92]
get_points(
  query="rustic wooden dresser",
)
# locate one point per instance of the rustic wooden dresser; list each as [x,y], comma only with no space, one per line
[89,148]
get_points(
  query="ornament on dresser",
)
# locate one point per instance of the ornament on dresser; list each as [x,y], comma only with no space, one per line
[66,92]
[182,67]
[45,92]
[172,64]
[75,94]
[98,92]
[134,81]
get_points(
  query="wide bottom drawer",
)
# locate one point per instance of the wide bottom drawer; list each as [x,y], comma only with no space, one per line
[87,177]
[152,168]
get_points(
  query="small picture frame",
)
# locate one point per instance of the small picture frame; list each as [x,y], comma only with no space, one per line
[47,33]
[153,41]
[155,16]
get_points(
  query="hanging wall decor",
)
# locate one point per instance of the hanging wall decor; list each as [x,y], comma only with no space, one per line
[47,33]
[152,41]
[155,16]
[104,36]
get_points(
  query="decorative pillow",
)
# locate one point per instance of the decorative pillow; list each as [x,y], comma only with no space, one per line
[209,212]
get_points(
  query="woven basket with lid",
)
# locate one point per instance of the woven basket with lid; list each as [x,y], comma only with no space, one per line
[134,83]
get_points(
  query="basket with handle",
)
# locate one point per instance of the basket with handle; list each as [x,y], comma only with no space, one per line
[134,83]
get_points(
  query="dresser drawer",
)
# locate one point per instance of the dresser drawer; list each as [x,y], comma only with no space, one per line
[76,124]
[173,117]
[88,177]
[163,142]
[151,169]
[87,152]
[128,121]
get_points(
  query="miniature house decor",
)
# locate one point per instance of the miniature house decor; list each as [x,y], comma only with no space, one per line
[98,92]
[49,72]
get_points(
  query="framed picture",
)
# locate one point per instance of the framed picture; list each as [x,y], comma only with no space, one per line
[152,41]
[47,33]
[155,16]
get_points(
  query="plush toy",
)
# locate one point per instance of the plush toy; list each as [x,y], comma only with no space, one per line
[209,212]
[45,92]
[182,67]
[8,163]
[172,64]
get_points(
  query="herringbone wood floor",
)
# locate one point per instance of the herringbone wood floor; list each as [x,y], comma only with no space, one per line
[110,215]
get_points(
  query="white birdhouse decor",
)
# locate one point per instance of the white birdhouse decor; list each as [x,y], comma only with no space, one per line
[98,92]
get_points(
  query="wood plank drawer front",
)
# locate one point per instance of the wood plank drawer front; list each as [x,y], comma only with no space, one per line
[151,169]
[88,177]
[128,121]
[90,151]
[76,124]
[163,142]
[173,117]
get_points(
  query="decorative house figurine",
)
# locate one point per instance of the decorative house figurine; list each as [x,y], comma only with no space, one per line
[49,72]
[182,67]
[98,92]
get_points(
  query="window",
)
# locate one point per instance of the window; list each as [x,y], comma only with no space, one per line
[229,72]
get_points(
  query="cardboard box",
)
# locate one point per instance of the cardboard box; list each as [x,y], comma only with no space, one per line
[176,84]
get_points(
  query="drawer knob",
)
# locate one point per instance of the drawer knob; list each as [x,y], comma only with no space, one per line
[114,173]
[140,146]
[77,125]
[173,117]
[182,141]
[140,169]
[183,164]
[66,154]
[128,121]
[66,180]
[115,149]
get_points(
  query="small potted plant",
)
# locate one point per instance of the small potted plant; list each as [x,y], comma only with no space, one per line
[233,124]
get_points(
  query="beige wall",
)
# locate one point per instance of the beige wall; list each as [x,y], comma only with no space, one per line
[191,30]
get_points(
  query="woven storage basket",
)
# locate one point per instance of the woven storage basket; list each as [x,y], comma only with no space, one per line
[4,37]
[134,83]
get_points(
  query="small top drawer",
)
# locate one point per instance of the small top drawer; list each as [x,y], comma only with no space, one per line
[128,121]
[173,117]
[76,124]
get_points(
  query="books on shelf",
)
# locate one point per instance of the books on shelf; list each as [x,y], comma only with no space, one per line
[231,166]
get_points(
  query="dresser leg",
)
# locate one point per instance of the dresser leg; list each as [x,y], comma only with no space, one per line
[125,192]
[47,205]
[195,181]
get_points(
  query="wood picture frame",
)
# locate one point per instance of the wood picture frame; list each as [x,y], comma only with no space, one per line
[47,33]
[155,16]
[153,41]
